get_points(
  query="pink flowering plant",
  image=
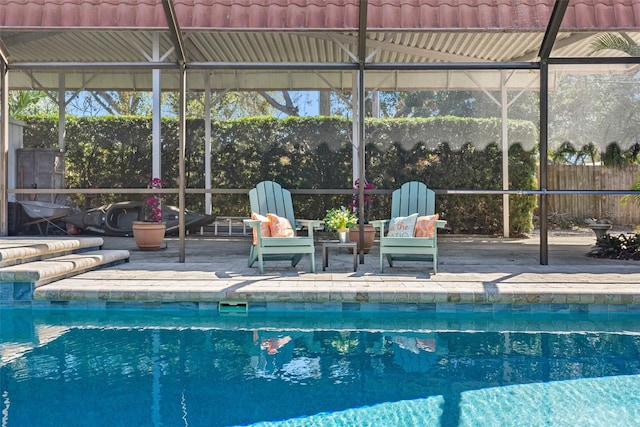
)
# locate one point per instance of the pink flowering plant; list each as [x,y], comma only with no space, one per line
[368,200]
[153,202]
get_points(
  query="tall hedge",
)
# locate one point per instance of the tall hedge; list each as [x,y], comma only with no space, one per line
[309,152]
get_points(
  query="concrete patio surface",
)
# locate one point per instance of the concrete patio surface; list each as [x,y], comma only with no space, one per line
[474,273]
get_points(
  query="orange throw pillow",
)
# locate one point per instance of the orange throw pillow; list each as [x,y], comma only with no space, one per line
[426,226]
[280,227]
[265,228]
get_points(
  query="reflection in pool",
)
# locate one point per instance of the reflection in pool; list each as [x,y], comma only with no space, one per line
[337,369]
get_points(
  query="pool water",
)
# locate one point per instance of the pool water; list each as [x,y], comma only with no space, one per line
[161,368]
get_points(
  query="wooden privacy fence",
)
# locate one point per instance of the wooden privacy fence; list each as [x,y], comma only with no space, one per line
[583,177]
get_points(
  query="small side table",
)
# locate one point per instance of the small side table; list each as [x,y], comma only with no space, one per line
[325,252]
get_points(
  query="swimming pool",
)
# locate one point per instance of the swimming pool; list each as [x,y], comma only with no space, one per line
[137,368]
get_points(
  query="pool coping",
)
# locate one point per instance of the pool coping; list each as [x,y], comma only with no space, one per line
[475,274]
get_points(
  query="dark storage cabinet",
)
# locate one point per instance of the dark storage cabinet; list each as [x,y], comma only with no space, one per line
[40,168]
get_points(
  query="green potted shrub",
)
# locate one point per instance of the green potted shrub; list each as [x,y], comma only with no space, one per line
[340,220]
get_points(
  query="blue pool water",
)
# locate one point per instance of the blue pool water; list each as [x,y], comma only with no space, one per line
[160,368]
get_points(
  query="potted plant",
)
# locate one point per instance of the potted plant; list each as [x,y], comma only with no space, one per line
[369,230]
[149,233]
[340,220]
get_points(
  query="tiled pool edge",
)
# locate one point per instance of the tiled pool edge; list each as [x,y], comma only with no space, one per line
[336,306]
[498,281]
[291,298]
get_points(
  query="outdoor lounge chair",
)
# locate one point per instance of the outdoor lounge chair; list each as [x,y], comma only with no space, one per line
[269,198]
[412,198]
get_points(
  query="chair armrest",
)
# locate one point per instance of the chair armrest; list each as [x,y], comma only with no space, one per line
[251,222]
[440,223]
[255,225]
[311,224]
[379,223]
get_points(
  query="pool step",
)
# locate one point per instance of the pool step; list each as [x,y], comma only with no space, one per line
[46,271]
[29,264]
[20,250]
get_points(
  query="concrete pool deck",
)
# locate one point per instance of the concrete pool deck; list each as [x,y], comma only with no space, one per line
[474,273]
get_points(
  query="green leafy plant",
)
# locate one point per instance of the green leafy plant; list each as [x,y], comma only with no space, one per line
[635,198]
[621,42]
[339,219]
[114,152]
[621,246]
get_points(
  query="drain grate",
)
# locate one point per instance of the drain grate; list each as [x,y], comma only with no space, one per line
[233,307]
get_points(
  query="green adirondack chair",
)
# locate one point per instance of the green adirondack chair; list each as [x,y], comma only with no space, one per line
[412,197]
[270,197]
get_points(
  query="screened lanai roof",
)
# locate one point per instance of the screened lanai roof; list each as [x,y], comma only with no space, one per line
[305,44]
[67,45]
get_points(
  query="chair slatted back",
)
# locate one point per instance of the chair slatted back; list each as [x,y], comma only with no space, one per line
[413,197]
[270,197]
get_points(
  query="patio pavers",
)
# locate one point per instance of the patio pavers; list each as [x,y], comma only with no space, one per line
[474,273]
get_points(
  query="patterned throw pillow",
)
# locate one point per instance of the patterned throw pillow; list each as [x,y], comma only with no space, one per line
[402,226]
[280,227]
[426,226]
[265,228]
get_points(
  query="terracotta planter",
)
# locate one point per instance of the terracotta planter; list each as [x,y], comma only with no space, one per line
[369,236]
[149,235]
